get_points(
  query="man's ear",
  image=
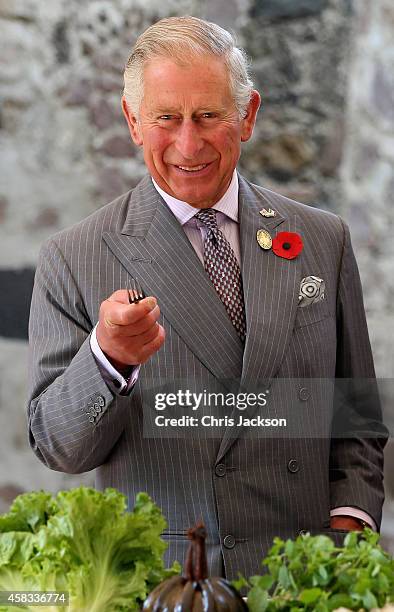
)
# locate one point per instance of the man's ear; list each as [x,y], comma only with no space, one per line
[132,122]
[248,122]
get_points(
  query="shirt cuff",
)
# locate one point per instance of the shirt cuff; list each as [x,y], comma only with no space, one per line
[115,381]
[355,513]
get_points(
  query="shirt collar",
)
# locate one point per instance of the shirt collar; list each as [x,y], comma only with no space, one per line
[228,203]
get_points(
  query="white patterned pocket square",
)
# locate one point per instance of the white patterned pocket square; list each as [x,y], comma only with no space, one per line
[311,291]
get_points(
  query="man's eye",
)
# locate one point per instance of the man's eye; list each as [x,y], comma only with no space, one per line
[166,117]
[208,115]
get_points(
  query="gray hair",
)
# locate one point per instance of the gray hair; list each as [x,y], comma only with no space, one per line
[183,38]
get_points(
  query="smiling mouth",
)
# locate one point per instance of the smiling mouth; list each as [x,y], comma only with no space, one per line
[192,168]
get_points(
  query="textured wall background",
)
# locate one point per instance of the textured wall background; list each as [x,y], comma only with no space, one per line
[325,136]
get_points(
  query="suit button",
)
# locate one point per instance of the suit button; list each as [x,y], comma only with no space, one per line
[220,469]
[229,541]
[100,400]
[293,466]
[304,394]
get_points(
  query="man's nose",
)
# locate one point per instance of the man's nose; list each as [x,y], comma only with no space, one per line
[189,141]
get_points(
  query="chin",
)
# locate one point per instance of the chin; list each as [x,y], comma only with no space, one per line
[189,195]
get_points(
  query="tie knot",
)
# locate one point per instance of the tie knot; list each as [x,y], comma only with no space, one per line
[207,216]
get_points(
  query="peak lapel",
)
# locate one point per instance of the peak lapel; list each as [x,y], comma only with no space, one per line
[271,286]
[154,249]
[271,289]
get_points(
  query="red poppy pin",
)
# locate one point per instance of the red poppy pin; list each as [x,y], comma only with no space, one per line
[287,245]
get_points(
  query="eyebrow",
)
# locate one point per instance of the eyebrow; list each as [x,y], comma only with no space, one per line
[165,109]
[168,110]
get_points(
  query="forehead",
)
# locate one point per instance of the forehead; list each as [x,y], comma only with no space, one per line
[198,81]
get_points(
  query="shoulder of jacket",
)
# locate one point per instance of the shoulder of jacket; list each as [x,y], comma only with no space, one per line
[307,213]
[110,217]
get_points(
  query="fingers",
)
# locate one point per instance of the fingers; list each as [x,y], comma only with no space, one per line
[123,314]
[149,335]
[129,334]
[121,296]
[153,346]
[138,349]
[145,323]
[120,326]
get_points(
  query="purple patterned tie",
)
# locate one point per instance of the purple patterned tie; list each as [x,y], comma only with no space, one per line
[222,267]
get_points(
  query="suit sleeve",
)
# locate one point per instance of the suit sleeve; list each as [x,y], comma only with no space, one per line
[74,419]
[358,434]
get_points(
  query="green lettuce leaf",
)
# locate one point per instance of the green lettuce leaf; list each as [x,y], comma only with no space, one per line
[85,542]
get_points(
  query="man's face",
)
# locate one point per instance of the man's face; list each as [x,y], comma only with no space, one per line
[190,129]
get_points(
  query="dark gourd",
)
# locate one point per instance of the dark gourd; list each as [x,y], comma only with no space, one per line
[195,592]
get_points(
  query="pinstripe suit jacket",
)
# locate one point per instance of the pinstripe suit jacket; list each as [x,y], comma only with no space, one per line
[264,486]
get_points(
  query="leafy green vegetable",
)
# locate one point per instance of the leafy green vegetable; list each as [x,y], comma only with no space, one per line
[311,573]
[83,541]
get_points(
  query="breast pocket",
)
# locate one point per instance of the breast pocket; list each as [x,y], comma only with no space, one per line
[308,315]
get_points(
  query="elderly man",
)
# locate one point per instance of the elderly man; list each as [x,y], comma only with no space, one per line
[243,286]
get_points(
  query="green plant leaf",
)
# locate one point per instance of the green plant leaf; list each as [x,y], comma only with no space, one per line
[339,600]
[283,577]
[309,596]
[369,601]
[258,600]
[358,575]
[289,548]
[240,582]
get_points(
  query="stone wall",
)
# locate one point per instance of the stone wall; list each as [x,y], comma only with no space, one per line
[367,177]
[300,60]
[324,136]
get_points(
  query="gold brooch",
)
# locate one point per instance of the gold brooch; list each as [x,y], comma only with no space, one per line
[264,239]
